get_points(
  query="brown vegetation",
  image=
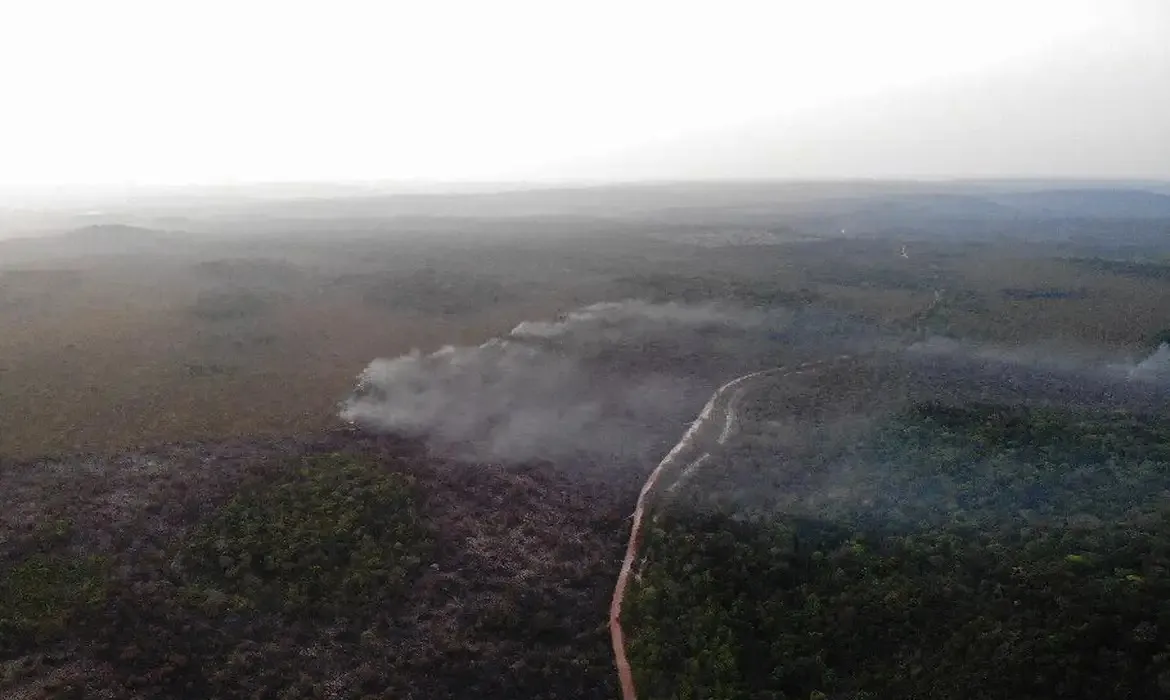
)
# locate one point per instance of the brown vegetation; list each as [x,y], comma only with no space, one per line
[110,354]
[508,599]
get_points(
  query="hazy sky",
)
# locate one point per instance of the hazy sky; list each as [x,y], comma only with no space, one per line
[204,91]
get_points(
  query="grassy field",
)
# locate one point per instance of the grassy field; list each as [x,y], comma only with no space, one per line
[107,357]
[106,353]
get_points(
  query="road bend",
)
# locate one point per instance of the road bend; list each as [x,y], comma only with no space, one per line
[716,424]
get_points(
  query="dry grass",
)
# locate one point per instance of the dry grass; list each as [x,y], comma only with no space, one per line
[108,355]
[109,361]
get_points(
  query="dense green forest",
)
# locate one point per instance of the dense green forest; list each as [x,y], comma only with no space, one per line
[226,610]
[982,552]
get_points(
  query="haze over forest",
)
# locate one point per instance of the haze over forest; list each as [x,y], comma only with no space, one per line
[750,349]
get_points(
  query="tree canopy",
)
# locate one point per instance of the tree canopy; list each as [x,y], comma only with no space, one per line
[986,552]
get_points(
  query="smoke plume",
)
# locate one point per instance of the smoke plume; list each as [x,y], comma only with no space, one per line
[1051,373]
[1154,368]
[609,381]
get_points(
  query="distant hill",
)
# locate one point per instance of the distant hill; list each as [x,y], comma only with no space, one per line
[933,205]
[1091,203]
[98,240]
[114,234]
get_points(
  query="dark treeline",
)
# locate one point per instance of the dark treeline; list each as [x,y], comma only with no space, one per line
[994,552]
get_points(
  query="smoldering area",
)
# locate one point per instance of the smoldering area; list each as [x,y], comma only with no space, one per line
[613,382]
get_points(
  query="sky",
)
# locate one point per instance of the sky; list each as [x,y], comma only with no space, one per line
[210,92]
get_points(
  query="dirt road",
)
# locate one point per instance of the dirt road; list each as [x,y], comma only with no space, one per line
[714,426]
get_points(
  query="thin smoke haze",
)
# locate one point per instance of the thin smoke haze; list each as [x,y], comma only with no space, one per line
[611,380]
[618,380]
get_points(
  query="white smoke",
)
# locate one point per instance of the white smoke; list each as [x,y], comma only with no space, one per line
[1052,374]
[608,381]
[1155,368]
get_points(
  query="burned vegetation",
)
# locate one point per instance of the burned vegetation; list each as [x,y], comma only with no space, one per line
[341,567]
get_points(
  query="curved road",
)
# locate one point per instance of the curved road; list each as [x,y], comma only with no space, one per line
[716,423]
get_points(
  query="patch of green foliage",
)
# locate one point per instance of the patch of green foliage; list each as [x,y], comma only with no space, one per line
[44,587]
[995,552]
[663,287]
[1145,269]
[428,292]
[1003,466]
[339,534]
[228,305]
[876,276]
[44,592]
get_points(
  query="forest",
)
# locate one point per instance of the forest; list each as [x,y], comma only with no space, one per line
[189,511]
[349,568]
[987,551]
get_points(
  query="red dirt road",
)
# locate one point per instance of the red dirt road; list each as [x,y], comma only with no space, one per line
[722,404]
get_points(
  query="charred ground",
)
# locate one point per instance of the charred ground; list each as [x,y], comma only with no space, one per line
[232,570]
